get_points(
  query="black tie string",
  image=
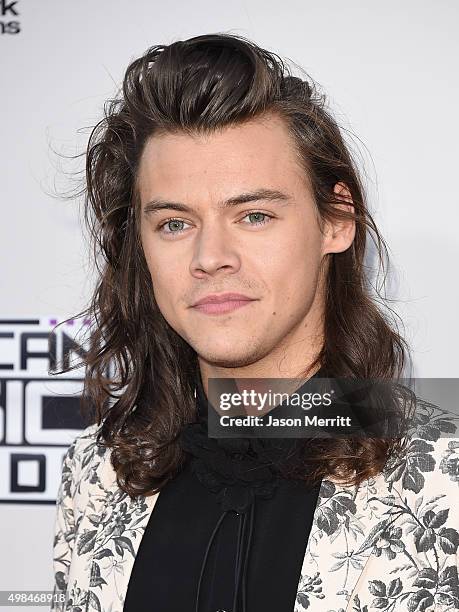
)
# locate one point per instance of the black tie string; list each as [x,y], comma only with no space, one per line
[244,594]
[242,555]
[206,554]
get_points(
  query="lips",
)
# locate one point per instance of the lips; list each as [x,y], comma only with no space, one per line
[223,298]
[217,304]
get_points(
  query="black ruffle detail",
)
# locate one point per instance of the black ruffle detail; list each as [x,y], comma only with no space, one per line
[236,470]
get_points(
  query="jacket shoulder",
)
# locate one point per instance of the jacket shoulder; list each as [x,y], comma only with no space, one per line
[84,447]
[87,468]
[87,435]
[429,463]
[82,441]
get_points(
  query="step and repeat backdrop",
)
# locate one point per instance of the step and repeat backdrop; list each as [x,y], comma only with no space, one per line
[389,69]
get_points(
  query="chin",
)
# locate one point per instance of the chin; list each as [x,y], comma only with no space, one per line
[227,357]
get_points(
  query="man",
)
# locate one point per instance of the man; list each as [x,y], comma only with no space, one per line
[233,225]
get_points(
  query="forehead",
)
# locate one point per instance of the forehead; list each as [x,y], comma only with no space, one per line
[232,157]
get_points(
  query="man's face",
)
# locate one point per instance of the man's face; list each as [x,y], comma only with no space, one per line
[269,250]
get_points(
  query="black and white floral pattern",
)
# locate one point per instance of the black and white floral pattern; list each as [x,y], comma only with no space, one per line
[389,544]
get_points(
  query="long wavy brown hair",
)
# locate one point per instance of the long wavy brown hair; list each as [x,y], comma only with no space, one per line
[139,373]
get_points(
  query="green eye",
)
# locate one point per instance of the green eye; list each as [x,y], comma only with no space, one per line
[255,217]
[171,223]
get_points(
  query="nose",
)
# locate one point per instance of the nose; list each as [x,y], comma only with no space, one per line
[213,250]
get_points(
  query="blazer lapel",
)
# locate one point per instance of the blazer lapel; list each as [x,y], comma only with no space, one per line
[347,522]
[118,538]
[120,523]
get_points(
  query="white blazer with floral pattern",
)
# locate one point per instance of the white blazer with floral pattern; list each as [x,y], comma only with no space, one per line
[389,544]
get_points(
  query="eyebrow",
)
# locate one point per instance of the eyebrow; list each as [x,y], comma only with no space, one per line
[158,204]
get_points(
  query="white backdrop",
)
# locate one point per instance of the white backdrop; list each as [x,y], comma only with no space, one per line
[390,70]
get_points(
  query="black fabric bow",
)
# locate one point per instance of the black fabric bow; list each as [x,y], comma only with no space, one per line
[236,470]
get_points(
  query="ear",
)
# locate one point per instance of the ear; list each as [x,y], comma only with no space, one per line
[339,234]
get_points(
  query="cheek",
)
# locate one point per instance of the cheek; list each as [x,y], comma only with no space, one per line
[292,271]
[298,256]
[161,273]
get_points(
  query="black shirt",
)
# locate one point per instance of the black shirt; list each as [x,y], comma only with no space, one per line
[269,535]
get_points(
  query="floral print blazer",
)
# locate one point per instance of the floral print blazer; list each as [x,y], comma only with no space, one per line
[388,544]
